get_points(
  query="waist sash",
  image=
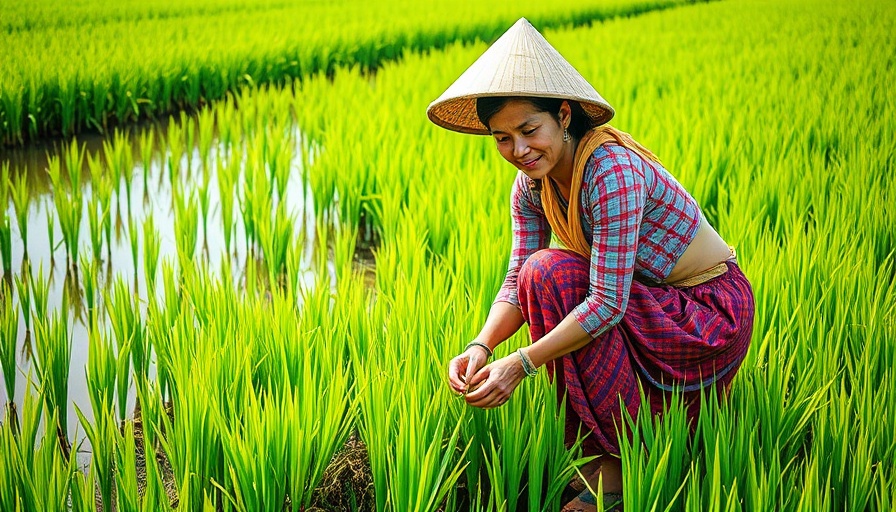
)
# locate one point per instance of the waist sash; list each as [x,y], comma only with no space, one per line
[705,275]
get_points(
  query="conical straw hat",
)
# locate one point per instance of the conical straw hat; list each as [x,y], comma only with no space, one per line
[520,63]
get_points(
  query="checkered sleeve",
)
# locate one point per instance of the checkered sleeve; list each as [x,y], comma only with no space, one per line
[531,232]
[616,194]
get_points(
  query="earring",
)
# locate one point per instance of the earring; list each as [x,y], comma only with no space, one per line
[565,135]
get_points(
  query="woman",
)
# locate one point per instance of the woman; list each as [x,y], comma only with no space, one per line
[644,293]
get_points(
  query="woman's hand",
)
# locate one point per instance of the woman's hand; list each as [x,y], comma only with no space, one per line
[462,368]
[493,384]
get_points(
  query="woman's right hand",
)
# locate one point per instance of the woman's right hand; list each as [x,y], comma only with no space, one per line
[463,367]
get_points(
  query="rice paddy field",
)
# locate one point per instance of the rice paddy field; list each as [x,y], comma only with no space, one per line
[211,311]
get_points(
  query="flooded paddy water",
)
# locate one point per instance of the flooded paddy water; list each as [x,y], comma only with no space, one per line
[145,193]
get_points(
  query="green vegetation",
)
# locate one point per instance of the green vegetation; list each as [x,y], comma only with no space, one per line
[787,145]
[101,64]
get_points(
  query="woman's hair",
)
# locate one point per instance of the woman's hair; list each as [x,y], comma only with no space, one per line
[579,122]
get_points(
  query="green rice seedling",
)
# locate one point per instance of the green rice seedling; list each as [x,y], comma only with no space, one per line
[294,263]
[186,224]
[175,146]
[51,234]
[154,496]
[125,161]
[68,203]
[39,473]
[21,200]
[74,163]
[9,334]
[128,328]
[39,292]
[275,236]
[53,348]
[188,127]
[102,436]
[227,178]
[256,482]
[97,218]
[206,128]
[126,494]
[344,247]
[6,185]
[255,201]
[204,203]
[147,144]
[550,464]
[654,480]
[134,237]
[193,443]
[6,243]
[101,370]
[122,377]
[24,293]
[158,320]
[89,283]
[151,247]
[111,152]
[100,213]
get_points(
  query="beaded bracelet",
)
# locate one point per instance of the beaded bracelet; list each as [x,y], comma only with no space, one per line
[479,344]
[528,367]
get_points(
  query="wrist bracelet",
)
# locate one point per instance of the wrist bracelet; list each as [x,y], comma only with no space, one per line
[479,344]
[528,367]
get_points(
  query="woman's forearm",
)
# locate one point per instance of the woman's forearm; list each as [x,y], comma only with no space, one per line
[504,319]
[567,337]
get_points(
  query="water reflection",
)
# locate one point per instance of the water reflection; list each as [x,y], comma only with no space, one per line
[146,195]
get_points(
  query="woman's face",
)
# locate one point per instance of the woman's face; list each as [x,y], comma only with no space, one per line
[531,140]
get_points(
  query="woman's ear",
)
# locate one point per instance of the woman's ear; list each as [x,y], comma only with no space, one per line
[565,114]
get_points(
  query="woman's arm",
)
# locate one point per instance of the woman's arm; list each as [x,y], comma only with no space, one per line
[504,320]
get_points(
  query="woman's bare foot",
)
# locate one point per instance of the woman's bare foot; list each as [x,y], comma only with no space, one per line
[604,473]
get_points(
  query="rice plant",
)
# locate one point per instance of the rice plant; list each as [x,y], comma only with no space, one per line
[186,223]
[150,254]
[68,199]
[9,333]
[52,348]
[147,144]
[6,243]
[21,200]
[130,335]
[51,235]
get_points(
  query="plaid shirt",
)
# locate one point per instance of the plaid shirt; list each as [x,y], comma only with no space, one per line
[635,215]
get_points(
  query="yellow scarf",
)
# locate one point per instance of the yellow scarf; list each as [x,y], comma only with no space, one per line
[569,229]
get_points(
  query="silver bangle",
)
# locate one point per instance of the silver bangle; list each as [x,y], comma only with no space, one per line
[479,344]
[528,367]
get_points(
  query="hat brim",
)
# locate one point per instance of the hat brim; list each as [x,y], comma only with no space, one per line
[459,114]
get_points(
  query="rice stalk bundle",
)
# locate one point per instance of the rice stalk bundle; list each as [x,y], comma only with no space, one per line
[9,333]
[151,248]
[21,200]
[128,328]
[102,436]
[36,474]
[68,200]
[147,145]
[52,348]
[39,293]
[186,223]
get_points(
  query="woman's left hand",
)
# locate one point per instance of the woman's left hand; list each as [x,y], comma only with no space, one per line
[494,383]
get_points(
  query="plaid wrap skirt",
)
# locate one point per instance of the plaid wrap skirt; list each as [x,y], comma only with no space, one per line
[670,340]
